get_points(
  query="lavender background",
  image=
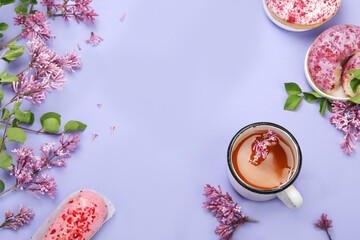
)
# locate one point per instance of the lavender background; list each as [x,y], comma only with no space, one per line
[178,79]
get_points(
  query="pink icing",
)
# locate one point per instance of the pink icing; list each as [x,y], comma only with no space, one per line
[304,12]
[79,219]
[333,46]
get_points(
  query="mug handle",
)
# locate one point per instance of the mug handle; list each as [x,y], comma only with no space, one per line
[291,197]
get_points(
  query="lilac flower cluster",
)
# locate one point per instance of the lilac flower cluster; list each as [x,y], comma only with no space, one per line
[48,72]
[347,119]
[94,39]
[225,210]
[324,223]
[28,167]
[260,147]
[35,25]
[79,9]
[16,221]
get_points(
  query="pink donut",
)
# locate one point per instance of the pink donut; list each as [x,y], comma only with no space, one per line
[302,14]
[353,63]
[332,52]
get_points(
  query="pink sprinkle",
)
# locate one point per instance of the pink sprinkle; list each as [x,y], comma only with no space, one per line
[112,128]
[79,47]
[99,106]
[93,137]
[122,18]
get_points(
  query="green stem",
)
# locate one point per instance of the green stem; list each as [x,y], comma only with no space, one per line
[28,67]
[11,101]
[14,38]
[247,219]
[4,134]
[8,190]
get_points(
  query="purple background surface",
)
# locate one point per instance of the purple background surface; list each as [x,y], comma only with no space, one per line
[178,79]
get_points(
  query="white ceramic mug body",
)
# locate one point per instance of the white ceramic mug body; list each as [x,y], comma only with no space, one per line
[286,192]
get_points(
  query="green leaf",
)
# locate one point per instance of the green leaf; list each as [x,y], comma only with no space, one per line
[15,134]
[5,161]
[14,123]
[1,94]
[354,84]
[292,102]
[355,99]
[6,2]
[2,185]
[1,35]
[33,11]
[322,104]
[3,26]
[24,1]
[72,125]
[33,2]
[16,106]
[22,9]
[292,88]
[50,122]
[11,55]
[355,72]
[4,146]
[9,79]
[5,113]
[12,43]
[24,117]
[329,105]
[311,96]
[3,74]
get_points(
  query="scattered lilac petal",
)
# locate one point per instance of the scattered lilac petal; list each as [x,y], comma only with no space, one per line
[94,39]
[79,47]
[93,137]
[112,128]
[53,39]
[122,17]
[99,106]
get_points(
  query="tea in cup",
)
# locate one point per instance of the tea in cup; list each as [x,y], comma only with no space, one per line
[264,159]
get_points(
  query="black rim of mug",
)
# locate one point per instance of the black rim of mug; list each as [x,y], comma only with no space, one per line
[253,189]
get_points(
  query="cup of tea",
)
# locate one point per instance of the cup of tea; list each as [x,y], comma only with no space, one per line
[264,160]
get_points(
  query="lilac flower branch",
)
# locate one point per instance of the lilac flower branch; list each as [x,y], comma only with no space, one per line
[28,167]
[16,221]
[260,147]
[324,224]
[225,210]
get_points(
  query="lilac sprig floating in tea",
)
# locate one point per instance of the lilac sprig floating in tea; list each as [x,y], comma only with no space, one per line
[347,119]
[324,223]
[260,147]
[16,221]
[225,210]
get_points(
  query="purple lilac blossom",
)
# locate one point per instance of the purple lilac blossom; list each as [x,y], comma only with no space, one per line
[16,221]
[260,147]
[35,25]
[347,119]
[28,167]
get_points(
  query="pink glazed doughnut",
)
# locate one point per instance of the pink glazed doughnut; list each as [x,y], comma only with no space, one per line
[331,54]
[302,14]
[82,216]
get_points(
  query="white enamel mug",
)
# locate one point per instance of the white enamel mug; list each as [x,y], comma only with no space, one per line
[286,192]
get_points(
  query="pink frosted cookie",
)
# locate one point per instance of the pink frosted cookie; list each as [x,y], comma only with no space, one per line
[80,218]
[301,14]
[328,54]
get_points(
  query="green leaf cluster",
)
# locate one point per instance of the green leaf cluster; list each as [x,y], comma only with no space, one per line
[354,84]
[6,2]
[294,99]
[3,27]
[13,53]
[4,78]
[51,122]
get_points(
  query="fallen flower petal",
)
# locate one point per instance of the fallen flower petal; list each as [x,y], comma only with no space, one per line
[99,106]
[112,128]
[93,137]
[122,17]
[94,39]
